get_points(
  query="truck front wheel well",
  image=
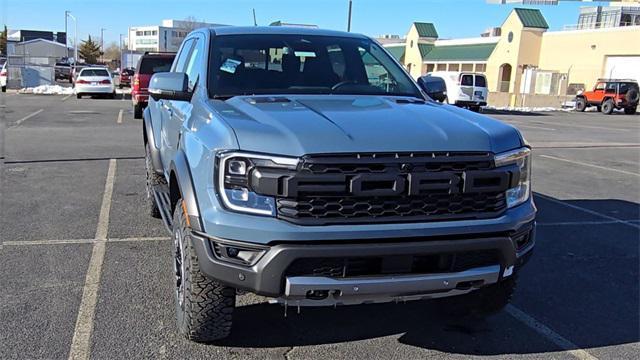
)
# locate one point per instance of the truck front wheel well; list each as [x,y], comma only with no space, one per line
[174,191]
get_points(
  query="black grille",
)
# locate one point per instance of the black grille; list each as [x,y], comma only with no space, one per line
[392,265]
[321,190]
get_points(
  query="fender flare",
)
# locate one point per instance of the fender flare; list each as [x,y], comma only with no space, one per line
[150,141]
[182,172]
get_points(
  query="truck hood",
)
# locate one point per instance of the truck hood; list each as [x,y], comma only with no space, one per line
[309,124]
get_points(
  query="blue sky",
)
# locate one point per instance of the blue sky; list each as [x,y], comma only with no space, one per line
[453,18]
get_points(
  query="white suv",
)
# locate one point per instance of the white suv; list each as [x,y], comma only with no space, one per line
[464,89]
[3,76]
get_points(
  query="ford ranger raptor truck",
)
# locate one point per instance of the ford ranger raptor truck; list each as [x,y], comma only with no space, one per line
[307,166]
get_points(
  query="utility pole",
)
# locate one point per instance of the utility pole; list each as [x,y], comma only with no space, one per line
[349,18]
[102,44]
[120,45]
[255,23]
[66,33]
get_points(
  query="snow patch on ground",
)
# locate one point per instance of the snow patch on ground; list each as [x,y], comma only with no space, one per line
[47,90]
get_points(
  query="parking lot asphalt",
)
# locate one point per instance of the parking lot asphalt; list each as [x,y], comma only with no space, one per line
[74,173]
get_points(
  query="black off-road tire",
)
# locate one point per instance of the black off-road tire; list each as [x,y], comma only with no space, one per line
[206,311]
[78,96]
[581,104]
[630,110]
[153,179]
[607,107]
[482,302]
[4,89]
[632,96]
[137,111]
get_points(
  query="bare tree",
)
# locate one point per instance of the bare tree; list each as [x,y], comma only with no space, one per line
[191,23]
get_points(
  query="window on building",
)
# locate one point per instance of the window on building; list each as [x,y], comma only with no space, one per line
[441,67]
[467,67]
[139,33]
[454,67]
[154,32]
[430,68]
[481,68]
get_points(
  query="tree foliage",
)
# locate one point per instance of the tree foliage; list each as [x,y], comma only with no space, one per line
[89,50]
[112,52]
[3,41]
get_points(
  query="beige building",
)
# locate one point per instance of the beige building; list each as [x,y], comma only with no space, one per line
[523,59]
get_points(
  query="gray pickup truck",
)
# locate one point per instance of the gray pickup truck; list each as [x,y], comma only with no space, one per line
[307,166]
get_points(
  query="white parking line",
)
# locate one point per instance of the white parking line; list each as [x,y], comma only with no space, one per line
[548,333]
[119,121]
[28,117]
[81,241]
[81,343]
[589,165]
[531,126]
[589,211]
[66,97]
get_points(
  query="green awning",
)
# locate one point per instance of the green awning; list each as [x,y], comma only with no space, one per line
[532,18]
[472,52]
[426,29]
[396,51]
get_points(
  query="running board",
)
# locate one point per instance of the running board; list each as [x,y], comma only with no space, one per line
[161,196]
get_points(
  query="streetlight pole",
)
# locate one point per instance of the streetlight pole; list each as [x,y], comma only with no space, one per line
[75,41]
[349,18]
[102,44]
[66,33]
[120,47]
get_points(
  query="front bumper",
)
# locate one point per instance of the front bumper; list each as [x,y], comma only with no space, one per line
[269,276]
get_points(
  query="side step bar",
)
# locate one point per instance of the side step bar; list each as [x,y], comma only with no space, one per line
[161,195]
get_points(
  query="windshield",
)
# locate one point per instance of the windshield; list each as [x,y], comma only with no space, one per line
[297,64]
[152,65]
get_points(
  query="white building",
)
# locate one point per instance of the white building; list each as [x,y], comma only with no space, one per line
[165,37]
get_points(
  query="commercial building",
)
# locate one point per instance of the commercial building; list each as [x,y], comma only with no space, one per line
[165,37]
[524,59]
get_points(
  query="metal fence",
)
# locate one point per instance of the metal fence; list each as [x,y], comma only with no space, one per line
[28,71]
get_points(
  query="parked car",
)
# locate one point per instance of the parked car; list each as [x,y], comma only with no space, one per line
[95,81]
[3,76]
[63,71]
[149,64]
[610,94]
[435,86]
[464,89]
[125,77]
[283,166]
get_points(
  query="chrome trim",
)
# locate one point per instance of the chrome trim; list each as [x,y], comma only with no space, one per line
[511,157]
[297,287]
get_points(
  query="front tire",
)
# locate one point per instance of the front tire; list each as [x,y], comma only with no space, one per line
[482,302]
[204,307]
[153,179]
[137,111]
[581,104]
[607,107]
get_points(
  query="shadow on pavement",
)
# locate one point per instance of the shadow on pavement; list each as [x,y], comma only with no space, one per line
[581,282]
[512,112]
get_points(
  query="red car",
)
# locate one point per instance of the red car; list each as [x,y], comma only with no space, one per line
[149,64]
[125,77]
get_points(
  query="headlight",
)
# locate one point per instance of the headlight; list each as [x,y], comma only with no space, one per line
[234,186]
[519,193]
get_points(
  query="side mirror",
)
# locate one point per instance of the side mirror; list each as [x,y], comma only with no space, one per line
[435,88]
[170,86]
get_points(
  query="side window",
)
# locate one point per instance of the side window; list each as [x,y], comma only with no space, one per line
[193,64]
[611,88]
[599,86]
[466,80]
[180,61]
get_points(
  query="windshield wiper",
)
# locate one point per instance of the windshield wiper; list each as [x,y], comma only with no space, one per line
[223,97]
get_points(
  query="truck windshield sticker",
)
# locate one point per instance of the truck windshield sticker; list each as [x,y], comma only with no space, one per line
[230,66]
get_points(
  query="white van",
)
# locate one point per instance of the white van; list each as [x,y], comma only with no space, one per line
[464,89]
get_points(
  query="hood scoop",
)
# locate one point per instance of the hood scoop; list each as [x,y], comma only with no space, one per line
[267,100]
